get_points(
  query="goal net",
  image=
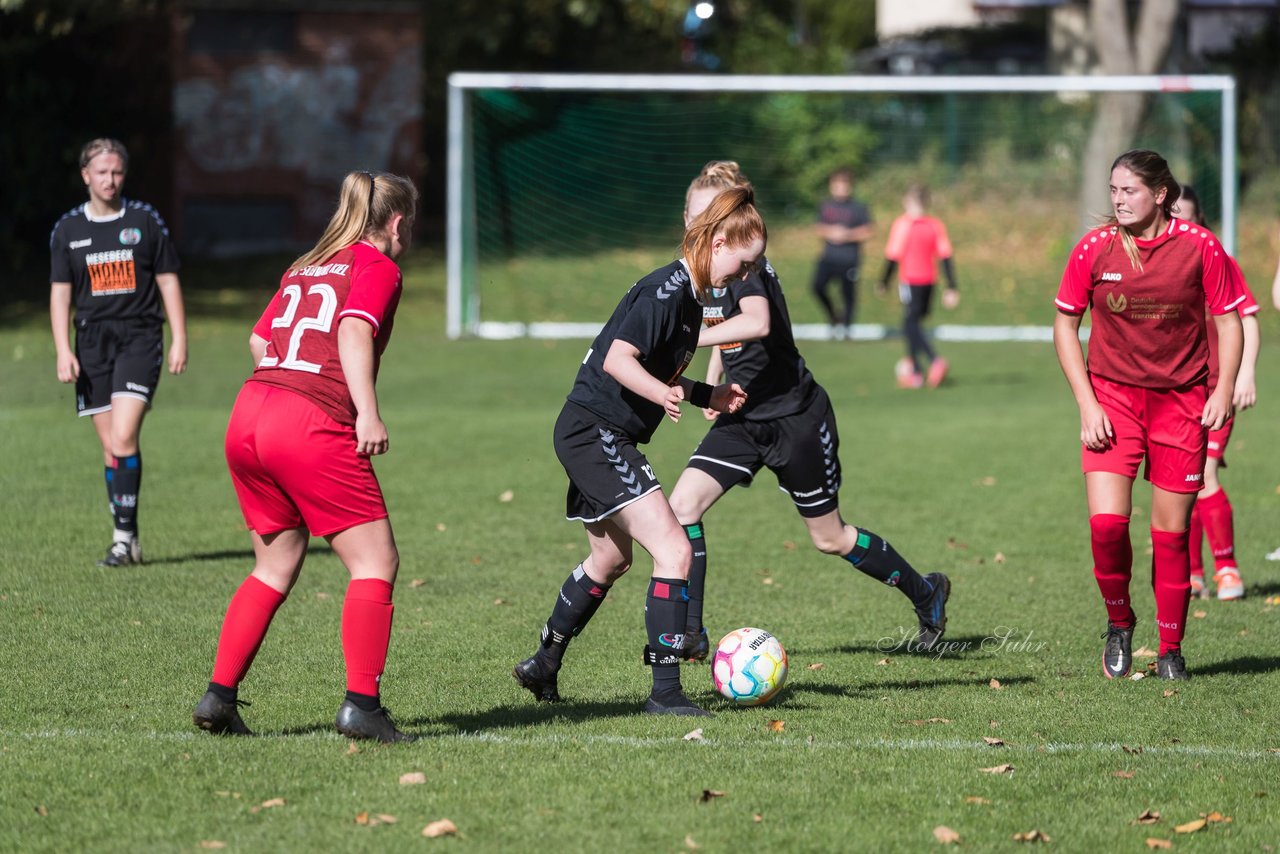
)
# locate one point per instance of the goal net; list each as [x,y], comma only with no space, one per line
[564,189]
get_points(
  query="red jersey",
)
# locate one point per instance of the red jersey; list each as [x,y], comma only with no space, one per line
[916,243]
[1149,321]
[301,324]
[1246,308]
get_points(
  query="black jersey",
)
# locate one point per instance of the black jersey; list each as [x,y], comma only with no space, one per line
[659,316]
[112,264]
[849,213]
[771,371]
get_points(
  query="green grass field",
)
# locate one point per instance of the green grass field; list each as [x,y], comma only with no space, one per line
[876,747]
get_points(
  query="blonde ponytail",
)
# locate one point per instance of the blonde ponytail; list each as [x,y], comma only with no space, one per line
[366,204]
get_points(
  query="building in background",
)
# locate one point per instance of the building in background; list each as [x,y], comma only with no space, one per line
[274,103]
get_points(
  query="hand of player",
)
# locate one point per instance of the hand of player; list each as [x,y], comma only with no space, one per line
[675,394]
[177,357]
[728,397]
[950,298]
[710,414]
[68,368]
[1095,428]
[1246,394]
[371,436]
[1217,409]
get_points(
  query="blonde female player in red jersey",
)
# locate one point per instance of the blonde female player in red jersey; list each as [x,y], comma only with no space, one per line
[1147,276]
[299,443]
[1211,516]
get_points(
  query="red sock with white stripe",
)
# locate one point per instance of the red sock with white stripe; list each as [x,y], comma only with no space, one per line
[1219,527]
[1113,565]
[243,628]
[1171,581]
[366,633]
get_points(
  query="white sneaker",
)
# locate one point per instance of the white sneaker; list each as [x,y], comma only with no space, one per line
[1275,555]
[1229,584]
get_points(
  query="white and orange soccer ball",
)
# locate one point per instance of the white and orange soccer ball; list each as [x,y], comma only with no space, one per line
[749,666]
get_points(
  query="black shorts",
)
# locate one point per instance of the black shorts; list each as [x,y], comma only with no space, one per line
[828,270]
[606,470]
[801,449]
[118,358]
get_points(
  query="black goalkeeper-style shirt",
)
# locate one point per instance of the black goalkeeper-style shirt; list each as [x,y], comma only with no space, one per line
[112,264]
[771,371]
[661,318]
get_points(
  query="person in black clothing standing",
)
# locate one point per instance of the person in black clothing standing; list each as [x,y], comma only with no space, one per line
[114,258]
[843,224]
[786,425]
[629,379]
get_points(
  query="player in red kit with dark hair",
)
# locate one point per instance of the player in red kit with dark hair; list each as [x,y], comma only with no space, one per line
[1211,515]
[1147,276]
[299,445]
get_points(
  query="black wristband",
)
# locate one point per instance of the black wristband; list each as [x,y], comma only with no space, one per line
[700,395]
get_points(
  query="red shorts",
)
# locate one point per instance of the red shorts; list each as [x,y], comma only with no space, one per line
[293,465]
[1218,441]
[1162,425]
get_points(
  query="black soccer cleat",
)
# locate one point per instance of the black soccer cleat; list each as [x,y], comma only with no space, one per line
[698,645]
[1171,666]
[933,613]
[219,717]
[674,703]
[1117,656]
[123,554]
[355,722]
[539,678]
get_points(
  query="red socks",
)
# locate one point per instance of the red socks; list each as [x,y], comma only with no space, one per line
[1196,532]
[245,625]
[366,633]
[1171,581]
[1215,514]
[1113,565]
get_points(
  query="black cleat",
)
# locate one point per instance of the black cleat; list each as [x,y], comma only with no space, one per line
[355,722]
[933,613]
[539,678]
[219,717]
[698,645]
[1116,655]
[123,554]
[1171,666]
[674,703]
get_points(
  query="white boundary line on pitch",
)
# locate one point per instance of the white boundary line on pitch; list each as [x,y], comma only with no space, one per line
[955,744]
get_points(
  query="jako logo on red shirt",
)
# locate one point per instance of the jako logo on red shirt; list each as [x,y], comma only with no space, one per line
[1117,302]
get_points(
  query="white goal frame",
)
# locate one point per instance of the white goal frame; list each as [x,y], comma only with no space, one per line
[461,321]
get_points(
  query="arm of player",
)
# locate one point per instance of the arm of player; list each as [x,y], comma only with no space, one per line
[1246,381]
[257,348]
[751,325]
[1096,432]
[622,362]
[1230,347]
[355,351]
[715,373]
[59,317]
[175,311]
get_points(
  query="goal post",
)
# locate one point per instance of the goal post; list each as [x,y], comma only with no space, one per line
[553,178]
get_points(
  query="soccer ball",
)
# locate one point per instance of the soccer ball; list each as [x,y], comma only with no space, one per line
[749,666]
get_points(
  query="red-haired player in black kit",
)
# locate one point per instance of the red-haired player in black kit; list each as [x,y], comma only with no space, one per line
[299,444]
[1147,277]
[115,257]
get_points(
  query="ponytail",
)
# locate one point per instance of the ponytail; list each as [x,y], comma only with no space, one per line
[366,204]
[732,215]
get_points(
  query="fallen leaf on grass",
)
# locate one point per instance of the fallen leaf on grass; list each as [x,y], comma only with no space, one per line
[988,481]
[994,685]
[690,843]
[1123,775]
[757,818]
[417,582]
[1147,817]
[993,742]
[1199,615]
[1159,843]
[352,748]
[385,818]
[42,811]
[945,835]
[817,665]
[1144,652]
[953,543]
[1006,768]
[694,735]
[1191,826]
[1139,675]
[1032,836]
[212,843]
[440,827]
[975,799]
[322,596]
[766,580]
[789,545]
[499,601]
[507,497]
[440,527]
[362,817]
[1132,751]
[1168,692]
[884,661]
[1215,817]
[710,794]
[413,778]
[267,804]
[999,558]
[777,726]
[929,721]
